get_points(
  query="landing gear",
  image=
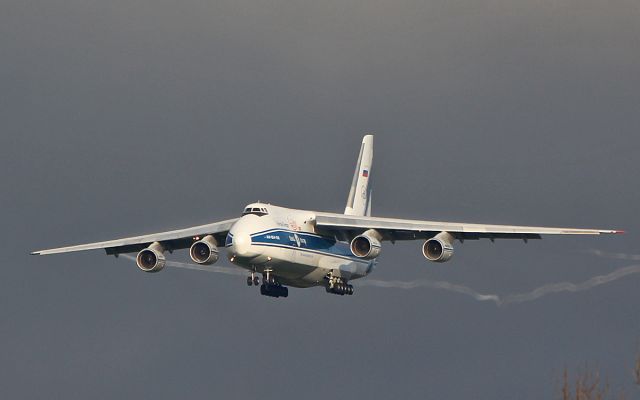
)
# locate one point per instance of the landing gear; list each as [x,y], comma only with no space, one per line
[341,289]
[270,285]
[277,290]
[338,286]
[253,280]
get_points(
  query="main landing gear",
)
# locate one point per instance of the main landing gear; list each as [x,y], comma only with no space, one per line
[339,286]
[270,285]
[274,290]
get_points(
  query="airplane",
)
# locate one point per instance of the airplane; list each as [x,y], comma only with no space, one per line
[301,248]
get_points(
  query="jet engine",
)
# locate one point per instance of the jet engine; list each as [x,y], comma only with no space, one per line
[439,248]
[367,245]
[152,258]
[204,251]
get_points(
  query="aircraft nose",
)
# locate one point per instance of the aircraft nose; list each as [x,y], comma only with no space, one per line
[240,235]
[241,243]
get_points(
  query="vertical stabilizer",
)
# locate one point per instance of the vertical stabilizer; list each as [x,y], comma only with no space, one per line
[369,200]
[359,202]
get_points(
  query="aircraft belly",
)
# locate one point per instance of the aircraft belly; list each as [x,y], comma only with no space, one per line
[300,259]
[293,267]
[304,269]
[344,268]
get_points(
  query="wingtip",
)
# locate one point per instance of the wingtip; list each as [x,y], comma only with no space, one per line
[618,232]
[35,253]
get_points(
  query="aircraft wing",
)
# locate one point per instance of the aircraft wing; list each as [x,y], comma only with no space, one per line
[171,240]
[406,229]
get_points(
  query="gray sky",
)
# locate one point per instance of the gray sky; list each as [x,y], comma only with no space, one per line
[126,117]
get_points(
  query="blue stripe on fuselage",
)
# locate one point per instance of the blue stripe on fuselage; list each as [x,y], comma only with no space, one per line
[304,241]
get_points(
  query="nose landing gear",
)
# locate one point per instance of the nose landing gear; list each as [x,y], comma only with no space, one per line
[253,280]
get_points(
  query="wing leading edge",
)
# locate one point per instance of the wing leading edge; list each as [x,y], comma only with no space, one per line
[406,229]
[171,240]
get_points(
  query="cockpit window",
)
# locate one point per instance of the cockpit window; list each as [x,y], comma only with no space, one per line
[259,211]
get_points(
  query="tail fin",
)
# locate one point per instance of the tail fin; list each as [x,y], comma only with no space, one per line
[359,201]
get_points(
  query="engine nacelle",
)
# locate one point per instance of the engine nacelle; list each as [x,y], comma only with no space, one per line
[366,245]
[151,259]
[204,251]
[439,248]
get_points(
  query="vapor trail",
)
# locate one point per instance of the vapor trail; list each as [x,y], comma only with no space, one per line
[207,268]
[499,300]
[572,287]
[515,297]
[452,287]
[617,256]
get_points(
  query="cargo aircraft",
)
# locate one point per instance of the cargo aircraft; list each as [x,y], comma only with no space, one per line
[282,247]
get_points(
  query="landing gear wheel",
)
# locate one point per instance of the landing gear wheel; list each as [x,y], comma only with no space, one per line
[270,285]
[274,290]
[249,281]
[338,286]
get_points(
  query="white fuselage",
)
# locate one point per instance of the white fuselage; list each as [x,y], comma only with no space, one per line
[284,242]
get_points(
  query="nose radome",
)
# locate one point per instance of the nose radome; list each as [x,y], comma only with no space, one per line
[241,243]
